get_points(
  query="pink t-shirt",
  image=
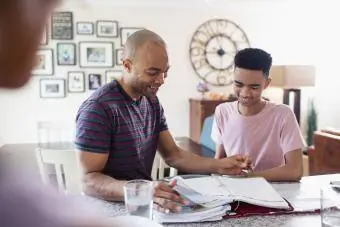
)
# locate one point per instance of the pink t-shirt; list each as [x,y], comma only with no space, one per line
[266,137]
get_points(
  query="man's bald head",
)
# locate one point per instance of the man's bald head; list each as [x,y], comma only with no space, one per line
[137,40]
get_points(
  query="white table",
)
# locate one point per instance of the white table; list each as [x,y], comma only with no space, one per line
[307,189]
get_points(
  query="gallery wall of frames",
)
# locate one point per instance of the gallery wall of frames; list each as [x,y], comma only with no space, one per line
[99,52]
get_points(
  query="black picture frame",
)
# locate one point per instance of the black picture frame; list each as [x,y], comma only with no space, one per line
[62,26]
[73,58]
[119,56]
[88,23]
[85,54]
[125,32]
[94,81]
[111,75]
[82,83]
[113,34]
[44,38]
[47,67]
[59,90]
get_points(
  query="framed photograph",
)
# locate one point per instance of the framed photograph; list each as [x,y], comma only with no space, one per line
[44,62]
[119,56]
[76,81]
[52,88]
[96,54]
[44,38]
[62,25]
[111,75]
[85,28]
[66,54]
[95,81]
[125,33]
[106,28]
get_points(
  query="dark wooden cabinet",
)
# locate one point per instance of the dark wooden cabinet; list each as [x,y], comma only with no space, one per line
[199,110]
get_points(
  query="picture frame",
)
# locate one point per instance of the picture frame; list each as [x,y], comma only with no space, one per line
[85,28]
[75,81]
[95,81]
[126,32]
[44,63]
[62,26]
[96,54]
[111,75]
[52,88]
[119,56]
[66,54]
[44,38]
[107,28]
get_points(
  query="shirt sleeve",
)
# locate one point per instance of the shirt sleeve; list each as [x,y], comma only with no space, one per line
[163,125]
[291,136]
[216,134]
[93,128]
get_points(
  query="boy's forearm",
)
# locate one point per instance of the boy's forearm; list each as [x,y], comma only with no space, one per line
[281,173]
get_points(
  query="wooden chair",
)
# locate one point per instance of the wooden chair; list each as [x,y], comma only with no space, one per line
[67,168]
[324,155]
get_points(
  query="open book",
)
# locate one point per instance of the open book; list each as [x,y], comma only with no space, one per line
[256,190]
[200,209]
[214,197]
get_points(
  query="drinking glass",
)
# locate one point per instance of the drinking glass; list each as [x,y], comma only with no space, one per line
[138,196]
[330,206]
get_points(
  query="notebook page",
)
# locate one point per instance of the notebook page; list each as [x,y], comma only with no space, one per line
[209,186]
[255,190]
[195,197]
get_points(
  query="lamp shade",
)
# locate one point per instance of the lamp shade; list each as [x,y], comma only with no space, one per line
[292,76]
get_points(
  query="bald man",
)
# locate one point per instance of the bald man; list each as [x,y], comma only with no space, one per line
[122,124]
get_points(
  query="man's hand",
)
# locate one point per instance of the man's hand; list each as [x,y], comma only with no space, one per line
[233,165]
[166,199]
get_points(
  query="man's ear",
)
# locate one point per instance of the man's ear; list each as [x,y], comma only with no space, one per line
[127,64]
[268,80]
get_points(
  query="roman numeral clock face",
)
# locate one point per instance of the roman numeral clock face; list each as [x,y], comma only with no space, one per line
[212,50]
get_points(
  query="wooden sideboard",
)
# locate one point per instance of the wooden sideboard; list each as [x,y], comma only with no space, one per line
[199,110]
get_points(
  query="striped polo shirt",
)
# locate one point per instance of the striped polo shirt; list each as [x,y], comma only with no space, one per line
[110,121]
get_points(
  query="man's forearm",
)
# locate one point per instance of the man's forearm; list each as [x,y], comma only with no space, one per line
[281,173]
[104,187]
[191,163]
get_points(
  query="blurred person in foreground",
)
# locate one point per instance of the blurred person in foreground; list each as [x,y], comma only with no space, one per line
[25,201]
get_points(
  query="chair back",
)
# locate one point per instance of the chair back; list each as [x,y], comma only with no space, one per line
[55,134]
[158,168]
[205,138]
[67,168]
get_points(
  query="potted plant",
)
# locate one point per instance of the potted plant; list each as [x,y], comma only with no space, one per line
[311,122]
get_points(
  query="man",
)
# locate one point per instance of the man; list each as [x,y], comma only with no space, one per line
[24,201]
[120,126]
[267,132]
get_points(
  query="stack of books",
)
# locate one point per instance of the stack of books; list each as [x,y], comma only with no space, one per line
[216,197]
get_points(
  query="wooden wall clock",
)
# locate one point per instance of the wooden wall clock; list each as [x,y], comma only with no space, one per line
[212,50]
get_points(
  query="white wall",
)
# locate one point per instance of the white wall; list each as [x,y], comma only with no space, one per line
[286,29]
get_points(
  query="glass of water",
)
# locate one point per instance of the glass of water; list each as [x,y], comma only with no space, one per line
[330,206]
[138,196]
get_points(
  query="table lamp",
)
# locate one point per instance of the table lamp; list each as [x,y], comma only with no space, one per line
[292,78]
